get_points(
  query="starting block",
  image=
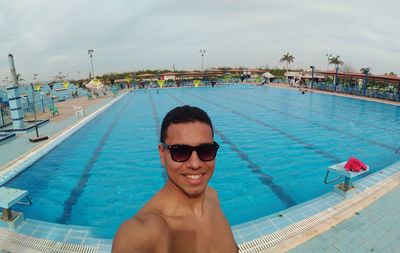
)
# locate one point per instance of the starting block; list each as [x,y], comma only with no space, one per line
[8,198]
[346,188]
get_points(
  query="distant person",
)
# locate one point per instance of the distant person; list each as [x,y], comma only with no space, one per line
[185,215]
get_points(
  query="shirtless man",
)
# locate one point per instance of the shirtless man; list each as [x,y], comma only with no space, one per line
[185,215]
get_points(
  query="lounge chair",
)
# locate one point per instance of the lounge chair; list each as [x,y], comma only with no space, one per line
[78,110]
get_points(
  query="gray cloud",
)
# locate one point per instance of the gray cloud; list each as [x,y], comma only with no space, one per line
[47,37]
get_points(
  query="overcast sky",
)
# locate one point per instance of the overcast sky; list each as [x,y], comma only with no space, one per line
[49,36]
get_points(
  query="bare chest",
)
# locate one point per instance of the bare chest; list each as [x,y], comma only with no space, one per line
[207,235]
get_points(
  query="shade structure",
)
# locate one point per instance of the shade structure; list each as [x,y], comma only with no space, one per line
[268,75]
[95,84]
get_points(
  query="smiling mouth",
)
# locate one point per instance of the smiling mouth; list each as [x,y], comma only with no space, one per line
[194,179]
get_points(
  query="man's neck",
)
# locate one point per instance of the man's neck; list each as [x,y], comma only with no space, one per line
[179,203]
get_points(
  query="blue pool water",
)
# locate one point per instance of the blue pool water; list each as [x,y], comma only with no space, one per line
[275,147]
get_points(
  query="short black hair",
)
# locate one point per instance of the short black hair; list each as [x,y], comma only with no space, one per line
[184,114]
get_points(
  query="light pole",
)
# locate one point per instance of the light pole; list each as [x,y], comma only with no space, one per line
[366,71]
[336,76]
[90,52]
[312,75]
[202,52]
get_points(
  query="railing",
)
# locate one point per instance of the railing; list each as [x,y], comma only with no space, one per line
[5,116]
[40,104]
[391,95]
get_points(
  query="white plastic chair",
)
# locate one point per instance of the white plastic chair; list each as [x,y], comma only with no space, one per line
[78,110]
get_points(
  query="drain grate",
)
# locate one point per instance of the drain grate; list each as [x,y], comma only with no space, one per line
[14,242]
[277,237]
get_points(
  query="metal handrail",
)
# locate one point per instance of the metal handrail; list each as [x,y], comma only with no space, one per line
[29,203]
[331,181]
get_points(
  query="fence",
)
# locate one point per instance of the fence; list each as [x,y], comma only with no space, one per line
[5,116]
[392,95]
[40,105]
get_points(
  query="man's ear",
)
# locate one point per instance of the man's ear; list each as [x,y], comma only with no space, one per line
[161,153]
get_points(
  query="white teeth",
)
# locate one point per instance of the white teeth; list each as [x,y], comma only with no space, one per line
[193,176]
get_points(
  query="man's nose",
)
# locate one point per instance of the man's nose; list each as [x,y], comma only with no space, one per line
[194,162]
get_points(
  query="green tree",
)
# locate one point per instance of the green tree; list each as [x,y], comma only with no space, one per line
[365,70]
[337,62]
[288,58]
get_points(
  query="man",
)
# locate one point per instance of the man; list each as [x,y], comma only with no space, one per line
[185,215]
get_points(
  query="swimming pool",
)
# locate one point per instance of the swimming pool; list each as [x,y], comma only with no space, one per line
[275,147]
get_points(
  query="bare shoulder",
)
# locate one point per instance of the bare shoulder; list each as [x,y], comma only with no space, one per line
[142,233]
[212,194]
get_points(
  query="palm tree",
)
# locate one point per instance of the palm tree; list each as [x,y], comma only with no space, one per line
[365,71]
[288,59]
[337,62]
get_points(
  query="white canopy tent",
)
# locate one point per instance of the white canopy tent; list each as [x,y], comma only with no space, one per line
[268,75]
[95,84]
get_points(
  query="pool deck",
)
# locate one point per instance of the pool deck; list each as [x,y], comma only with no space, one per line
[374,229]
[369,225]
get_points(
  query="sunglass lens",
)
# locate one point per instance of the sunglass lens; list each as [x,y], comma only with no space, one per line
[207,152]
[180,153]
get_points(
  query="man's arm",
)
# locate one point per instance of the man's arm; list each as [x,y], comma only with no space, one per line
[225,235]
[138,235]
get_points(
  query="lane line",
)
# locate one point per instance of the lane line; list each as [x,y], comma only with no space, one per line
[265,179]
[79,188]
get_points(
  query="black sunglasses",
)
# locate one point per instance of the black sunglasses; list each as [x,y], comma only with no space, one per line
[182,153]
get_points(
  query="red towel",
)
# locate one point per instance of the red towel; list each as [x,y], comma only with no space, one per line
[355,165]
